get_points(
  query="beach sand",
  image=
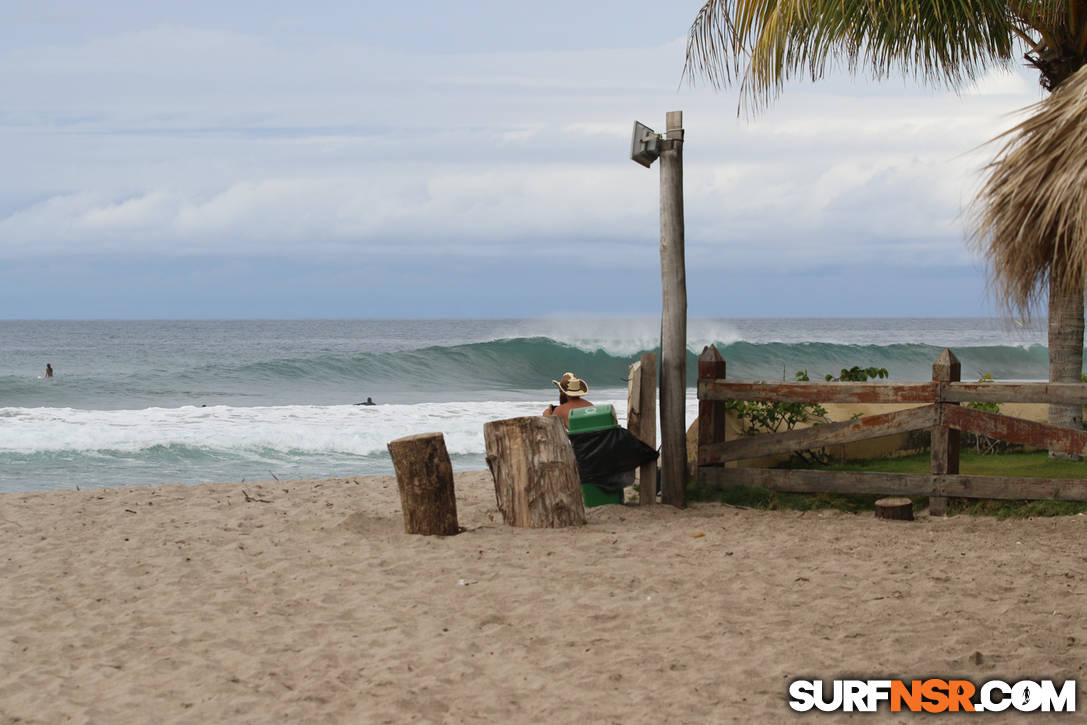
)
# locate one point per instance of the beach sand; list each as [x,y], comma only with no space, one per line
[308,604]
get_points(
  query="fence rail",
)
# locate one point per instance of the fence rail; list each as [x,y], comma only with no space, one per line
[936,409]
[725,390]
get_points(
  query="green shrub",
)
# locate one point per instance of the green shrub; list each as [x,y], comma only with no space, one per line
[981,443]
[757,418]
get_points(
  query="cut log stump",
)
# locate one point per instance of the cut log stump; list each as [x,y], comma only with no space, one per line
[897,509]
[535,473]
[425,478]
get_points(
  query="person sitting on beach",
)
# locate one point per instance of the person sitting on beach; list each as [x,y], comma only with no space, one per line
[571,390]
[48,370]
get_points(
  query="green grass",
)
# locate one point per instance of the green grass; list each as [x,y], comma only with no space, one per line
[1025,465]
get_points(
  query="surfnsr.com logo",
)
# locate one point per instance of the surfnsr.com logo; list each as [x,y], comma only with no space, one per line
[932,695]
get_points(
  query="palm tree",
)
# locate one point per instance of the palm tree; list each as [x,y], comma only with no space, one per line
[1031,221]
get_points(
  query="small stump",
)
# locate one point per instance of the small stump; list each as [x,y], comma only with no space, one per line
[896,509]
[425,478]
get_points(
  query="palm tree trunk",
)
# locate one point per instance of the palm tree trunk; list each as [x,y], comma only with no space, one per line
[1065,344]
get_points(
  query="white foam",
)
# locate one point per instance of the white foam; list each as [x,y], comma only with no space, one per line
[304,429]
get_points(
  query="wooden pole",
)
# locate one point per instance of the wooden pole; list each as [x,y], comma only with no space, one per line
[945,440]
[425,478]
[536,480]
[673,392]
[642,419]
[711,413]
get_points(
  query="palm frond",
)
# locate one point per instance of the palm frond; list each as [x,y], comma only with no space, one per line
[1031,212]
[769,42]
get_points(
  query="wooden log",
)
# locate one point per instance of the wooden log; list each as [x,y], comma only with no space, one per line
[1017,430]
[535,473]
[895,509]
[424,476]
[872,426]
[898,484]
[642,420]
[944,450]
[816,392]
[673,392]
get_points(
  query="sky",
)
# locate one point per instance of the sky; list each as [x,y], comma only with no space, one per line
[469,159]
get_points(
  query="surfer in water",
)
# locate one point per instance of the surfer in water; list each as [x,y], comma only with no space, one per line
[571,389]
[369,401]
[48,370]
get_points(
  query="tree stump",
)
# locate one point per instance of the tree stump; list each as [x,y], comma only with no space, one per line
[897,509]
[535,473]
[425,478]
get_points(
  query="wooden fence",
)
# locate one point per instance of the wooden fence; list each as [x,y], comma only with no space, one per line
[939,412]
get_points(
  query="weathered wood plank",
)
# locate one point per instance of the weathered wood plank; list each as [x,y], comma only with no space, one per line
[634,396]
[800,481]
[642,420]
[901,484]
[951,392]
[818,392]
[872,426]
[1002,487]
[1016,392]
[1017,430]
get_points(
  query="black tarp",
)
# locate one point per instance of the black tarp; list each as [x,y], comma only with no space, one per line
[602,454]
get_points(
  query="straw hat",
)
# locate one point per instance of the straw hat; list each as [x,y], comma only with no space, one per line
[572,385]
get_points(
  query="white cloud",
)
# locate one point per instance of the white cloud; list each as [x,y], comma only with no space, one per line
[1004,82]
[176,139]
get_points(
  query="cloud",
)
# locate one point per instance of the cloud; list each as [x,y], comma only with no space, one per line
[1005,82]
[179,140]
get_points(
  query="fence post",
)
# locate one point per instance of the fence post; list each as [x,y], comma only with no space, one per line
[642,419]
[711,413]
[945,441]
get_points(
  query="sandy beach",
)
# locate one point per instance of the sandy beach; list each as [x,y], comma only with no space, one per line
[304,602]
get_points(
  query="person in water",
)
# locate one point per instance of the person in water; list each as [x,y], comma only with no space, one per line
[369,401]
[572,390]
[48,370]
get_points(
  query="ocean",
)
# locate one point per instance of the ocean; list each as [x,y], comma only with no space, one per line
[137,402]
